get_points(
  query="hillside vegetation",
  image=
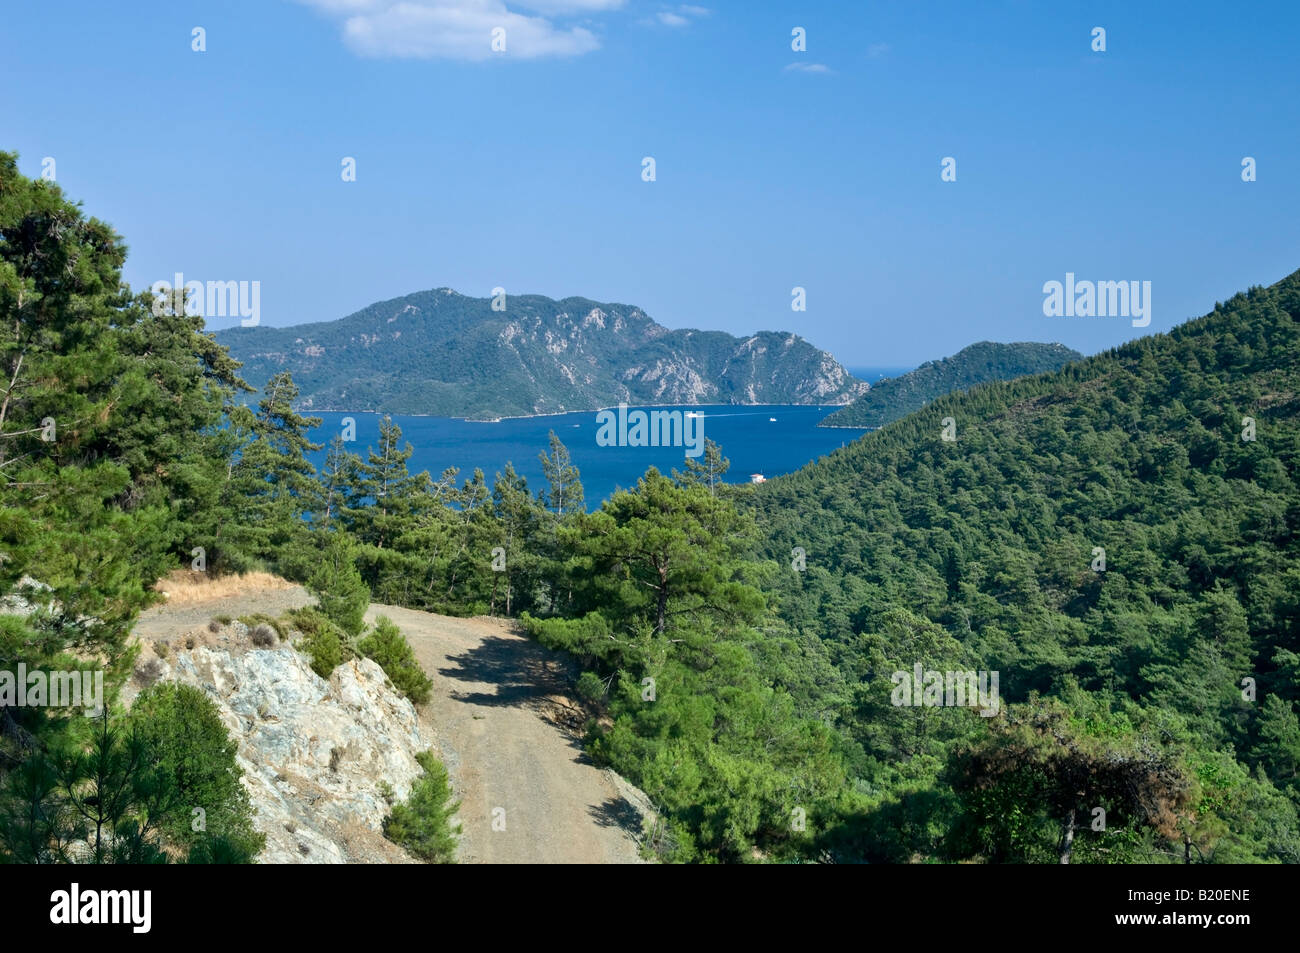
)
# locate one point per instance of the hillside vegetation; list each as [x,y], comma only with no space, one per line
[1118,540]
[442,353]
[896,397]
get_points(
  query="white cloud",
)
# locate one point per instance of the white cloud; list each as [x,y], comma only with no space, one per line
[676,17]
[876,50]
[809,68]
[461,29]
[568,6]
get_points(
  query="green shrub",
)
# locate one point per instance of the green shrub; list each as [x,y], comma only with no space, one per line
[253,620]
[192,760]
[322,641]
[422,825]
[306,620]
[298,557]
[591,687]
[338,586]
[387,646]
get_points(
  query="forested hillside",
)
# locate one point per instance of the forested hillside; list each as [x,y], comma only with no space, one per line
[111,456]
[896,397]
[1119,541]
[442,353]
[1116,540]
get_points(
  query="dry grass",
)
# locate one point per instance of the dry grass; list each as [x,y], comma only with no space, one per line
[186,588]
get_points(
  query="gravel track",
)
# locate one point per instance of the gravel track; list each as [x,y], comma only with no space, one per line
[504,727]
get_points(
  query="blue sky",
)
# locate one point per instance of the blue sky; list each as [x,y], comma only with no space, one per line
[775,168]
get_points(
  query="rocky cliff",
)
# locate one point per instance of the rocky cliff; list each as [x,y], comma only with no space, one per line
[314,751]
[442,353]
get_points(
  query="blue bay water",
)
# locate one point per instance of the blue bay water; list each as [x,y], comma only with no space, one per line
[873,375]
[753,442]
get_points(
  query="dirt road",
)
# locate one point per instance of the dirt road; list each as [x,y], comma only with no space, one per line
[498,712]
[528,793]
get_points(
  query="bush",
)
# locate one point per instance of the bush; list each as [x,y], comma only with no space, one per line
[338,586]
[322,641]
[422,825]
[262,635]
[220,849]
[591,687]
[298,558]
[149,672]
[261,618]
[387,646]
[192,758]
[307,620]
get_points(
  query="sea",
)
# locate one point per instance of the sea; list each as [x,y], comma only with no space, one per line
[761,441]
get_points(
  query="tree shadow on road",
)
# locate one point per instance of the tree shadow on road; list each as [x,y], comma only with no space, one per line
[520,673]
[617,812]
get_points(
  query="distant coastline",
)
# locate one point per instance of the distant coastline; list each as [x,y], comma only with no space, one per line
[752,441]
[562,413]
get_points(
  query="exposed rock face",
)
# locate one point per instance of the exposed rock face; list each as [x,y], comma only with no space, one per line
[26,597]
[438,352]
[313,751]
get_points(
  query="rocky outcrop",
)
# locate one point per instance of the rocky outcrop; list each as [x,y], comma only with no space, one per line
[441,353]
[314,751]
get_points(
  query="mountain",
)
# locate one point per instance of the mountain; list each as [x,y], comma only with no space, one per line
[1120,541]
[441,353]
[896,397]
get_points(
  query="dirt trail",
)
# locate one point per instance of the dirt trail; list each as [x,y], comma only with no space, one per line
[497,698]
[498,712]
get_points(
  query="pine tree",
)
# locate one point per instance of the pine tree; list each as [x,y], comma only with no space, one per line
[337,477]
[566,489]
[112,459]
[518,518]
[1042,768]
[341,592]
[423,824]
[390,490]
[274,489]
[707,471]
[665,553]
[470,577]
